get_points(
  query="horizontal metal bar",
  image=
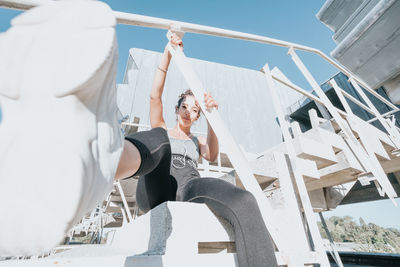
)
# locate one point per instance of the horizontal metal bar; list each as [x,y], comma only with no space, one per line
[316,99]
[305,93]
[147,126]
[384,115]
[297,89]
[21,4]
[356,101]
[145,21]
[374,93]
[153,22]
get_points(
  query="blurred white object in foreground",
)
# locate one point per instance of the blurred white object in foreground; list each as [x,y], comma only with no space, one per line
[60,141]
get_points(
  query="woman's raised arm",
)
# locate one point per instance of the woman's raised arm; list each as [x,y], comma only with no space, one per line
[156,107]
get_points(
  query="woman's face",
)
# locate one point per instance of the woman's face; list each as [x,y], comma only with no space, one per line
[188,111]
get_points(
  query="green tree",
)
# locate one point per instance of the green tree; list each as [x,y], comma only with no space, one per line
[370,237]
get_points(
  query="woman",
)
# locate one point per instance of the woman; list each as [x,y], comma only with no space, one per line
[166,162]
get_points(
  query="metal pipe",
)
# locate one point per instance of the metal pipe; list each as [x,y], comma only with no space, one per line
[355,101]
[339,93]
[305,93]
[153,22]
[147,126]
[365,154]
[393,133]
[374,93]
[125,203]
[22,4]
[298,89]
[383,115]
[159,23]
[335,255]
[299,181]
[146,21]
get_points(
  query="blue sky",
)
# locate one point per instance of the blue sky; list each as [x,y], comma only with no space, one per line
[292,21]
[380,212]
[288,20]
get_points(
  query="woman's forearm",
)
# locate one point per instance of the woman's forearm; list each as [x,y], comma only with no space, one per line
[156,107]
[160,75]
[212,142]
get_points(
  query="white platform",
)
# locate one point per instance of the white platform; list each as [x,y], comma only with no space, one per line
[169,235]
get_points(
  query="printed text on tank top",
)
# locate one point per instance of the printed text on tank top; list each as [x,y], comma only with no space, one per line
[184,151]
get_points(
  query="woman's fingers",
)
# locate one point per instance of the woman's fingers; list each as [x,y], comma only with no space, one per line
[209,101]
[176,40]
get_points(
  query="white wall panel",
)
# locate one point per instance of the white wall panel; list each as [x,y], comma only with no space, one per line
[243,98]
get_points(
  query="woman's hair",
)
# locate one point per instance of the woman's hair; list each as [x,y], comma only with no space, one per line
[182,97]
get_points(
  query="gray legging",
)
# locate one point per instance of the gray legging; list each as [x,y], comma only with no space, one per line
[159,183]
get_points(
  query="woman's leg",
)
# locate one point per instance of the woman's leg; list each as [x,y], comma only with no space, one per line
[129,162]
[155,184]
[253,244]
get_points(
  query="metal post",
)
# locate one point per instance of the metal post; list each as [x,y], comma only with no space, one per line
[341,97]
[302,190]
[335,255]
[369,162]
[339,91]
[121,192]
[393,133]
[219,162]
[136,211]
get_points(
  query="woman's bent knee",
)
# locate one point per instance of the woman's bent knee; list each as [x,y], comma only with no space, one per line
[244,199]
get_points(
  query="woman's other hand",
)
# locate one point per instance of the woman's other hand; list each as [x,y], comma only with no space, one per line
[209,101]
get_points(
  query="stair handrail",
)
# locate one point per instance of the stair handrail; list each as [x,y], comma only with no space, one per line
[160,23]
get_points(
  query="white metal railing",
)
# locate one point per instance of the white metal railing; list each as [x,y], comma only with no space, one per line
[159,23]
[153,22]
